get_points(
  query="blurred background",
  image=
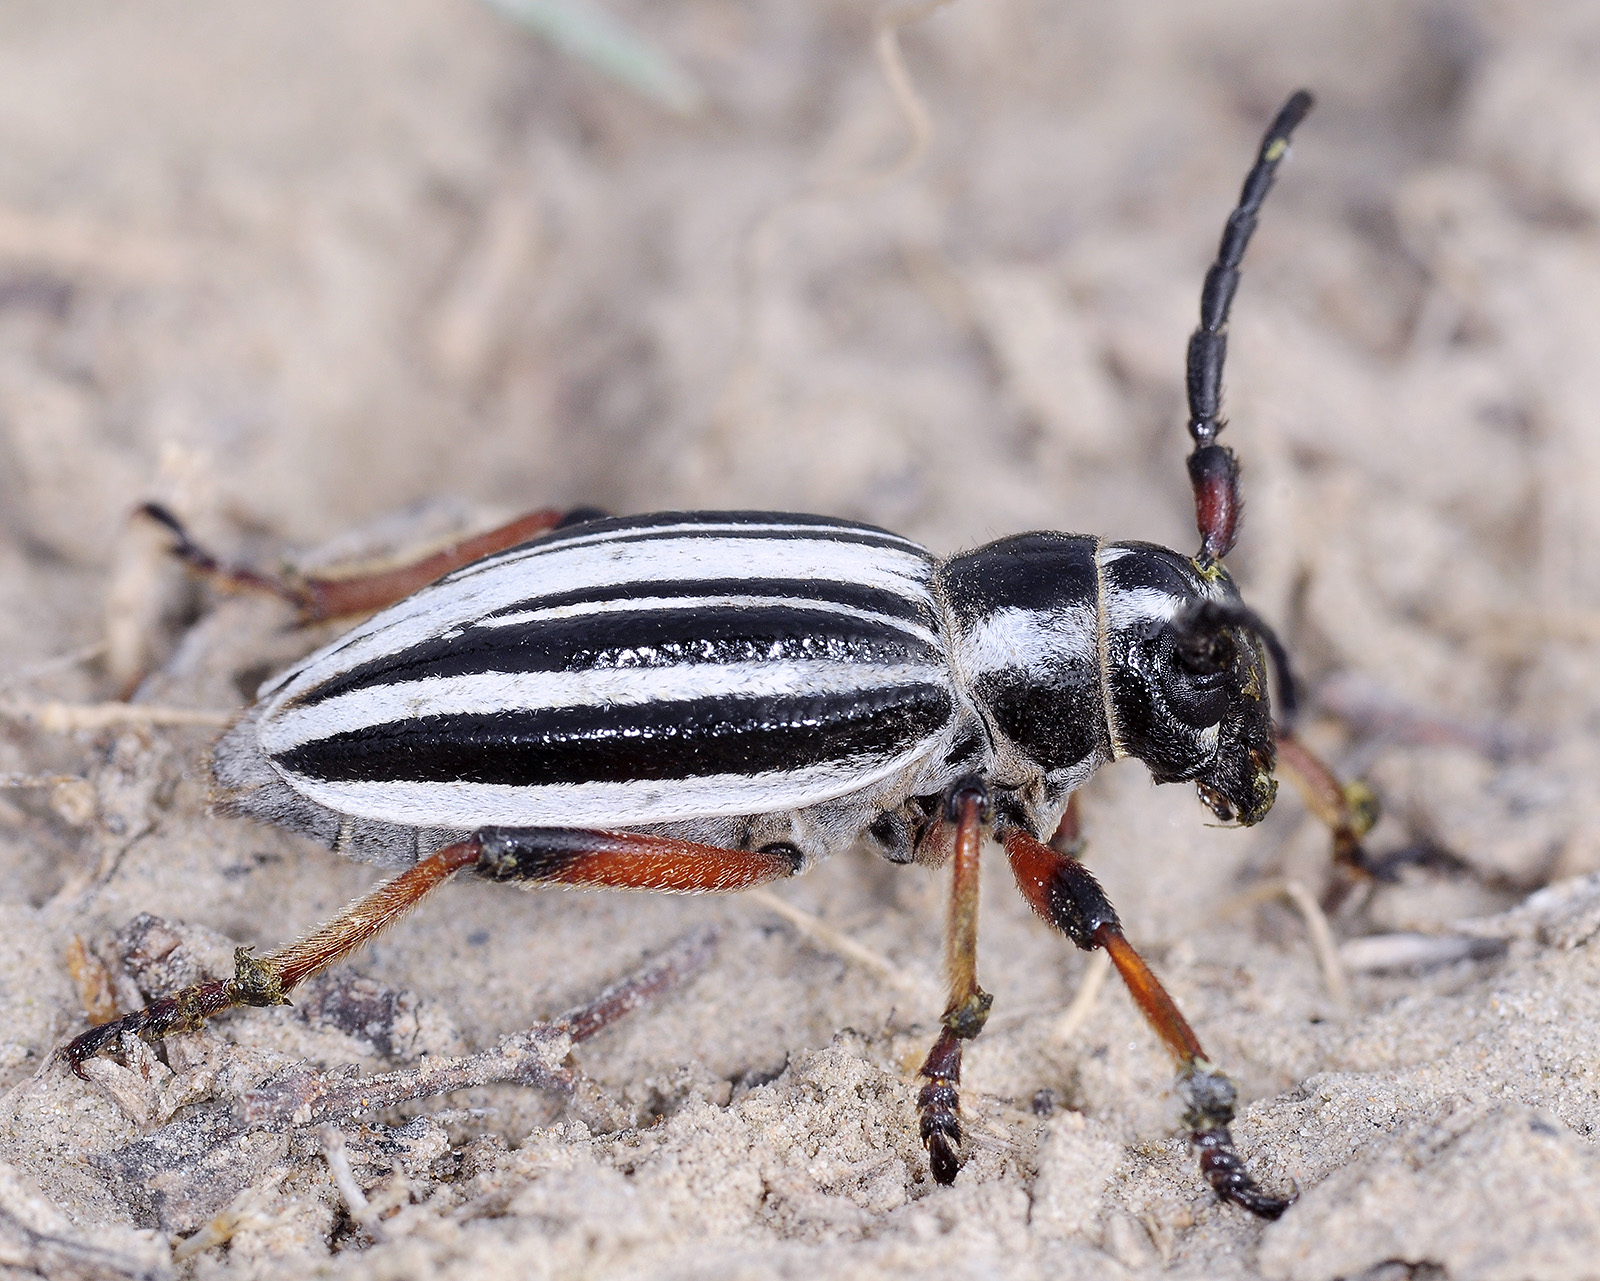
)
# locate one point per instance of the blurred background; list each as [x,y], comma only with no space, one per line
[406,267]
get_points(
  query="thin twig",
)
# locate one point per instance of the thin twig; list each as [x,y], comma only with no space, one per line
[536,1056]
[344,1178]
[242,1212]
[1376,953]
[1083,1000]
[756,247]
[841,944]
[1322,942]
[672,968]
[36,1237]
[892,62]
[56,663]
[1318,930]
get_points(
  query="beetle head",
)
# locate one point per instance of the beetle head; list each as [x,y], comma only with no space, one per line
[1186,678]
[1184,659]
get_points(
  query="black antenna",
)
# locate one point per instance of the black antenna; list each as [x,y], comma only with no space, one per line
[1213,470]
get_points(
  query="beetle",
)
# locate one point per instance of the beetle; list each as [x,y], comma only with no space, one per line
[706,701]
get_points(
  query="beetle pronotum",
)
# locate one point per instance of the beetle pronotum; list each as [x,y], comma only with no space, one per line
[711,700]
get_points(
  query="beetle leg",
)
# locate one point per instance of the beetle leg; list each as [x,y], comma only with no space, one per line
[939,1102]
[1348,810]
[600,859]
[267,980]
[363,593]
[322,598]
[626,861]
[1062,891]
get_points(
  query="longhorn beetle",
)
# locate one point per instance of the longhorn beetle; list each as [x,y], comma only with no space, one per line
[696,701]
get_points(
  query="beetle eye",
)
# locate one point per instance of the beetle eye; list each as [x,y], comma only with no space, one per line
[1204,651]
[1191,676]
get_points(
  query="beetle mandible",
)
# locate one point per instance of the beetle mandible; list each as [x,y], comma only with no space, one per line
[712,700]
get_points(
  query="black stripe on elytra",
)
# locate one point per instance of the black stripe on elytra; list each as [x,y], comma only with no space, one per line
[618,744]
[908,606]
[913,608]
[637,639]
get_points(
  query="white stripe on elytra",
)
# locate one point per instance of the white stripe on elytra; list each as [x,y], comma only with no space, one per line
[457,601]
[582,609]
[562,540]
[283,728]
[604,805]
[568,542]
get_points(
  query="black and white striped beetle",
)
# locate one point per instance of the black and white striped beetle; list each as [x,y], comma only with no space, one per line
[711,700]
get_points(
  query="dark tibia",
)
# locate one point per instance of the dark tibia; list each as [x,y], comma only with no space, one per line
[322,598]
[269,980]
[1213,470]
[626,861]
[967,1006]
[1060,889]
[1066,896]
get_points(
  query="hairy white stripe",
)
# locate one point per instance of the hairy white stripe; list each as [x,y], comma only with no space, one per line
[459,601]
[584,608]
[1028,639]
[577,538]
[285,728]
[1129,606]
[604,805]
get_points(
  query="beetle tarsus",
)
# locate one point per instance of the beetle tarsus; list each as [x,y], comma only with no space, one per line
[204,564]
[1225,1171]
[943,1158]
[939,1107]
[1210,1097]
[268,980]
[183,1011]
[1066,896]
[317,598]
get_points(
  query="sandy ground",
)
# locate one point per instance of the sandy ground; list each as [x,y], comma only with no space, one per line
[395,268]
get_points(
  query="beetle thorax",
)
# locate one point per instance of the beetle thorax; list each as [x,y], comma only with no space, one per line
[1025,647]
[1066,646]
